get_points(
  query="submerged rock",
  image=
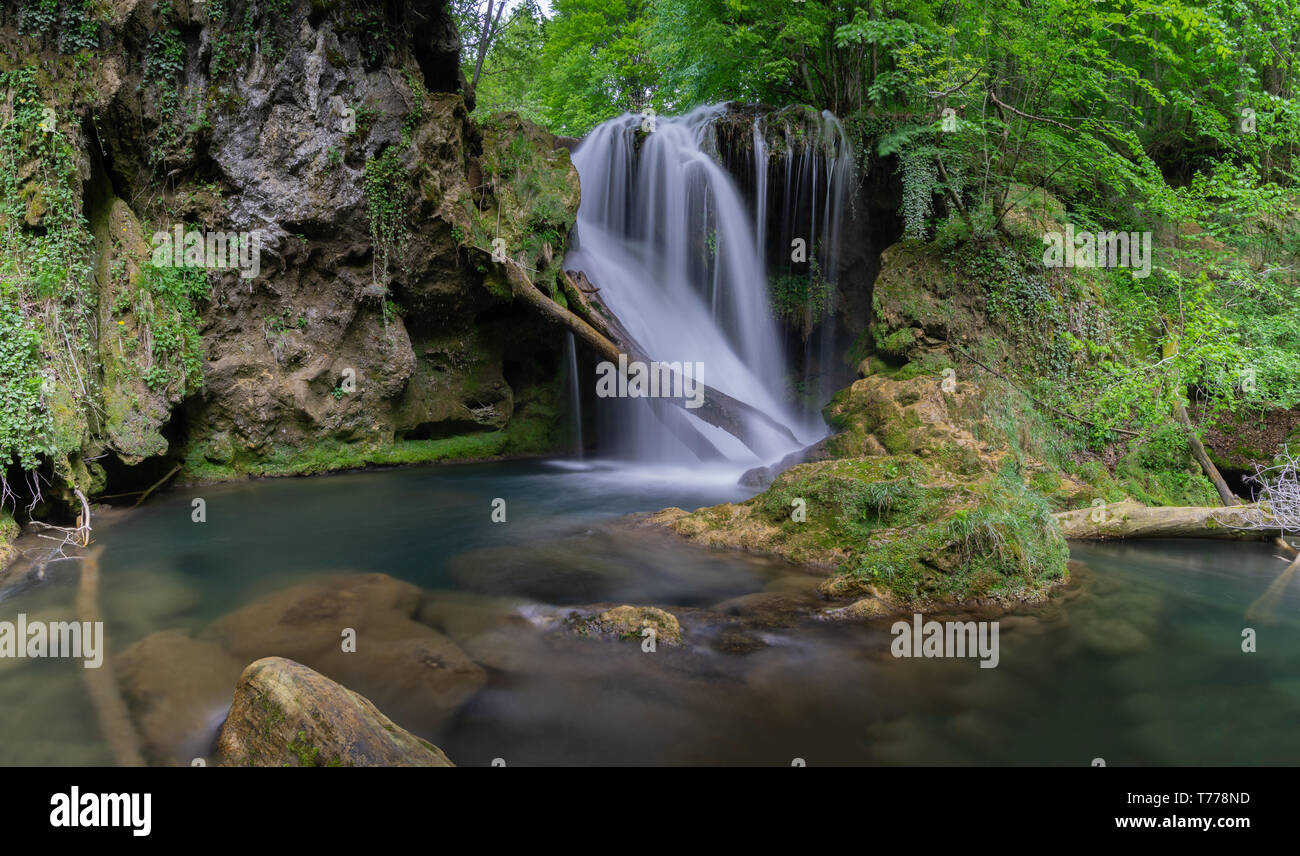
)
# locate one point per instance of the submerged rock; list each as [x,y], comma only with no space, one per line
[623,562]
[767,609]
[177,689]
[417,674]
[285,714]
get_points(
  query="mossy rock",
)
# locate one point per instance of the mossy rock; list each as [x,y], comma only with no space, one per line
[286,715]
[9,531]
[630,622]
[948,505]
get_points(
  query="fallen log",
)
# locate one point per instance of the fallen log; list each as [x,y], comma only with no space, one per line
[1130,519]
[718,409]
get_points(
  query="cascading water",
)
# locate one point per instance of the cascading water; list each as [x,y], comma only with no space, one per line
[664,234]
[813,162]
[575,395]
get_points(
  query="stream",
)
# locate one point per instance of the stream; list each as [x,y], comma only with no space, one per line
[1137,660]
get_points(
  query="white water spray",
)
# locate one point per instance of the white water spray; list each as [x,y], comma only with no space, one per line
[677,254]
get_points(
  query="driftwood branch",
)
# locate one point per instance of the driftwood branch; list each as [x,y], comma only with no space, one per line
[75,536]
[1263,606]
[1279,490]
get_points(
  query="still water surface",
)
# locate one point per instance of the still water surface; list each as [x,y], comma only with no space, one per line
[1138,660]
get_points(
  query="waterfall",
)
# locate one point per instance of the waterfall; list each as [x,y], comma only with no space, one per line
[760,183]
[665,235]
[813,163]
[575,394]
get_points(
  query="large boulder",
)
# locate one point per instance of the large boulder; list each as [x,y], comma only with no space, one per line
[285,714]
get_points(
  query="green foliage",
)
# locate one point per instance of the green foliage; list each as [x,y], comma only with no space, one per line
[509,78]
[919,185]
[591,60]
[418,96]
[1004,543]
[848,499]
[164,67]
[385,187]
[801,299]
[47,298]
[532,201]
[165,302]
[231,44]
[24,421]
[72,25]
[1011,532]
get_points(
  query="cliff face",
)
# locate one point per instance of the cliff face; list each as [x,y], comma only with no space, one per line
[326,148]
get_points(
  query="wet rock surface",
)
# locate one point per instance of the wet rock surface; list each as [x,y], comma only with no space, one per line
[284,714]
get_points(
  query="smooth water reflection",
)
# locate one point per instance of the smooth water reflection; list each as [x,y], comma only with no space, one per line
[1138,660]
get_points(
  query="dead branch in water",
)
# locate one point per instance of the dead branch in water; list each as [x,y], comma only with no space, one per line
[77,536]
[1263,607]
[718,408]
[101,684]
[1279,501]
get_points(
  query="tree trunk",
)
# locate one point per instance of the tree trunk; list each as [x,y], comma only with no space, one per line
[1130,519]
[1211,471]
[489,26]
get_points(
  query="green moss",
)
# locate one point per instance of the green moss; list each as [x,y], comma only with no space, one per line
[528,433]
[846,500]
[47,293]
[1003,542]
[533,199]
[9,527]
[896,344]
[272,715]
[928,363]
[306,754]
